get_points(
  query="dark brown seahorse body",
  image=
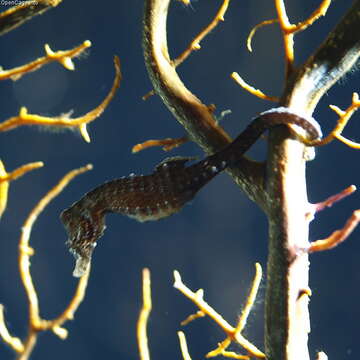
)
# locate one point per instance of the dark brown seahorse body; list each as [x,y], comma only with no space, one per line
[144,198]
[165,191]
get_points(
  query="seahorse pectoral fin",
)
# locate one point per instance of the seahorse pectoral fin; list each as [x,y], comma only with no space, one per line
[175,162]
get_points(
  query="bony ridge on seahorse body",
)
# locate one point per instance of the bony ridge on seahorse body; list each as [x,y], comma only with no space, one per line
[166,190]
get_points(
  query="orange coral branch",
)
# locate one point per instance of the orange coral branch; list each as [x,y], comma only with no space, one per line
[344,117]
[195,44]
[239,80]
[63,57]
[331,200]
[148,95]
[289,29]
[192,317]
[24,118]
[320,11]
[167,144]
[338,236]
[144,316]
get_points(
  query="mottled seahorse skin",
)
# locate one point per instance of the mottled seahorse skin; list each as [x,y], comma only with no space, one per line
[165,191]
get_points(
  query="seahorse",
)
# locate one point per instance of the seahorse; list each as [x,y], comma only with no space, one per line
[166,190]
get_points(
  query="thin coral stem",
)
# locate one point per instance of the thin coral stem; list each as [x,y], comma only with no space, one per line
[141,328]
[255,29]
[63,57]
[344,117]
[14,342]
[221,349]
[5,178]
[195,44]
[289,29]
[29,345]
[332,199]
[20,171]
[288,38]
[36,324]
[320,11]
[240,81]
[24,118]
[251,299]
[350,143]
[222,346]
[233,355]
[197,299]
[183,346]
[167,144]
[338,236]
[68,313]
[199,314]
[148,95]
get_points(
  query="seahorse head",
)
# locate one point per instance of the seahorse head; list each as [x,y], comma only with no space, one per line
[84,227]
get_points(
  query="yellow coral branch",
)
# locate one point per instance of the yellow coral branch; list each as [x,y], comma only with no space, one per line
[20,171]
[240,81]
[167,144]
[320,11]
[344,117]
[197,299]
[24,118]
[68,313]
[14,342]
[63,57]
[144,316]
[256,28]
[195,44]
[37,324]
[5,178]
[222,346]
[251,299]
[289,29]
[183,346]
[233,355]
[221,349]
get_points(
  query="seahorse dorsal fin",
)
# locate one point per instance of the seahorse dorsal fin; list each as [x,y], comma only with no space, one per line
[174,162]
